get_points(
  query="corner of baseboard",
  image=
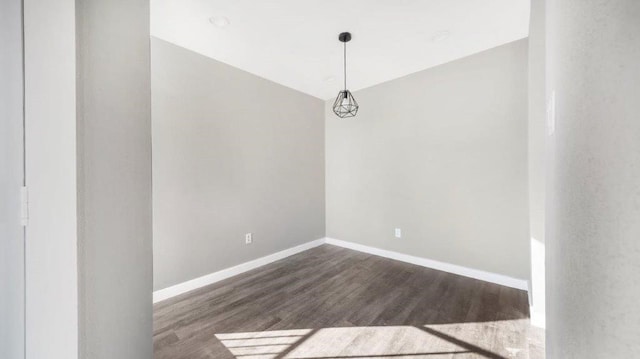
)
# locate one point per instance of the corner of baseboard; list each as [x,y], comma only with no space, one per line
[184,287]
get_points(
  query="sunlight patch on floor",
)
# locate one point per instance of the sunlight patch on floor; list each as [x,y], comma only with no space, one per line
[456,340]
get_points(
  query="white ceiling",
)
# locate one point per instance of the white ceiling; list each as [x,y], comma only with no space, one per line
[295,42]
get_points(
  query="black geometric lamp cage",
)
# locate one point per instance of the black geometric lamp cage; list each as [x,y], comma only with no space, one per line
[345,105]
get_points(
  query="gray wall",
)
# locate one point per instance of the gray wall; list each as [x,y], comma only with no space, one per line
[114,179]
[50,132]
[536,159]
[441,154]
[11,176]
[593,253]
[232,153]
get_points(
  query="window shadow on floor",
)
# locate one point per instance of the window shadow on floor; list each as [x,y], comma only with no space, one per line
[465,340]
[342,294]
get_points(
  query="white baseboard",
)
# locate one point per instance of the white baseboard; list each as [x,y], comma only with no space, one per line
[537,318]
[430,263]
[205,280]
[208,279]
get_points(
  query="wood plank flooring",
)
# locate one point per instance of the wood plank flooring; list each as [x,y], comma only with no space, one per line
[331,302]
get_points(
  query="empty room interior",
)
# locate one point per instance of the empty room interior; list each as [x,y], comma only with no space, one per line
[392,221]
[285,179]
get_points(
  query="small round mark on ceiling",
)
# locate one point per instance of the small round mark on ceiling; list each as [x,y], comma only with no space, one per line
[220,21]
[440,36]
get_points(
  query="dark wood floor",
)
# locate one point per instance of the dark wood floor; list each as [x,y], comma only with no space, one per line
[331,302]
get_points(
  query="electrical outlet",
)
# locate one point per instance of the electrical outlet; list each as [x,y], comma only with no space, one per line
[398,233]
[248,238]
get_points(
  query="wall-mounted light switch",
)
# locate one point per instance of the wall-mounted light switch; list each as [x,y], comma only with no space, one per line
[398,233]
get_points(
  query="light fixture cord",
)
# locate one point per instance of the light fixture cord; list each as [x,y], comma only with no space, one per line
[345,66]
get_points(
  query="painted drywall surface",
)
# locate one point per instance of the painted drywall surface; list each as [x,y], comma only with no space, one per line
[11,177]
[114,194]
[390,38]
[441,154]
[51,237]
[232,154]
[593,253]
[536,159]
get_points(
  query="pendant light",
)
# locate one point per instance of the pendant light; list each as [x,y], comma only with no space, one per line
[345,105]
